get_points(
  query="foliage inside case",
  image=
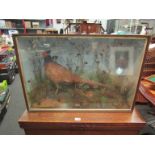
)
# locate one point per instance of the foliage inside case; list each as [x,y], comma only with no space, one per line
[73,72]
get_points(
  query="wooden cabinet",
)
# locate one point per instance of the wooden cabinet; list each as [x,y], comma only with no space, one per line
[22,25]
[90,28]
[84,28]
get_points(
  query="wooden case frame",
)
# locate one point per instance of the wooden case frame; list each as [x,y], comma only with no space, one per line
[102,36]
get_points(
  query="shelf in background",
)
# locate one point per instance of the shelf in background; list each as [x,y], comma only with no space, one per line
[7,28]
[37,29]
[22,25]
[26,29]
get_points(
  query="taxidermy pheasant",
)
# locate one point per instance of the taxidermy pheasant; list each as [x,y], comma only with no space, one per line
[59,74]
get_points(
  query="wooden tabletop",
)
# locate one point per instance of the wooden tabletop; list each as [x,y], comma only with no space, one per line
[146,91]
[82,122]
[83,117]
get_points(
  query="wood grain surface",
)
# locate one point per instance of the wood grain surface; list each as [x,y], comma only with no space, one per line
[93,123]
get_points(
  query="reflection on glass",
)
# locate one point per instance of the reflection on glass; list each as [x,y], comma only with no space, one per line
[80,72]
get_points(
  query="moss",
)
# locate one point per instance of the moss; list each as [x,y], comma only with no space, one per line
[104,99]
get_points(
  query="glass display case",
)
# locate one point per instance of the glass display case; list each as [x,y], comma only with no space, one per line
[80,72]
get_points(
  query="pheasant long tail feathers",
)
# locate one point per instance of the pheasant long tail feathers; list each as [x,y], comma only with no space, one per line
[93,83]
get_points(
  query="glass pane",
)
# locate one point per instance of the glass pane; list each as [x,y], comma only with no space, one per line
[80,72]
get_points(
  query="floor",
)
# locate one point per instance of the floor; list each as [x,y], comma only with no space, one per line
[145,111]
[9,124]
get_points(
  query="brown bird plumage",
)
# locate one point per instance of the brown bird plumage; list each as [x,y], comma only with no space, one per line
[59,74]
